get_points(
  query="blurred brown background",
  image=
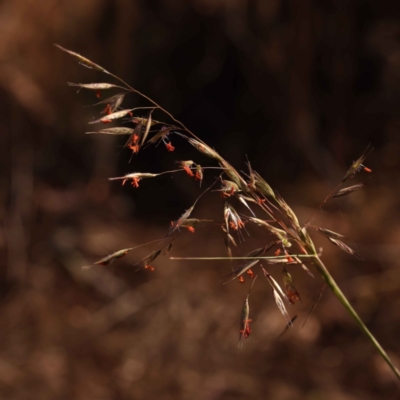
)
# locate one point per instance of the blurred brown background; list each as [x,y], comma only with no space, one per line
[301,88]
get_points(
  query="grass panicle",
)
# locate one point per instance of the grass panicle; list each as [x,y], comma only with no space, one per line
[282,228]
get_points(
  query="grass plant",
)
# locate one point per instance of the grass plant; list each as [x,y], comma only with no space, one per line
[288,242]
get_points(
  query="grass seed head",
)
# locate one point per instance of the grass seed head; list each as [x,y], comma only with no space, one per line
[114,131]
[291,291]
[357,165]
[93,86]
[345,248]
[83,60]
[203,148]
[329,234]
[110,258]
[111,117]
[262,186]
[347,190]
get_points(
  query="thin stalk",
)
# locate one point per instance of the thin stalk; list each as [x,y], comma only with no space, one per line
[343,299]
[243,258]
[155,104]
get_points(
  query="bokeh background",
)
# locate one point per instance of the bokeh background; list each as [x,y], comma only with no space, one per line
[301,88]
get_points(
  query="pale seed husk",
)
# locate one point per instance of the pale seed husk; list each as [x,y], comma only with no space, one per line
[113,131]
[347,190]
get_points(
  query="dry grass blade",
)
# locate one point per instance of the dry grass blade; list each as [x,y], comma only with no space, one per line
[345,248]
[347,190]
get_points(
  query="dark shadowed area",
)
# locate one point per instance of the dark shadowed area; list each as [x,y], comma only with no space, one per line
[301,89]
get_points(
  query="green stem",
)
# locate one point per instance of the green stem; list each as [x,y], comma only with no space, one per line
[342,298]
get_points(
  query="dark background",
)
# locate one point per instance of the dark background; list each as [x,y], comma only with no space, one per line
[301,88]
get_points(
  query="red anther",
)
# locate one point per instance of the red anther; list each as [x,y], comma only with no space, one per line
[233,226]
[107,109]
[278,251]
[106,121]
[260,201]
[246,331]
[135,149]
[169,146]
[98,94]
[198,176]
[250,273]
[188,170]
[190,228]
[135,182]
[288,258]
[241,279]
[135,138]
[367,169]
